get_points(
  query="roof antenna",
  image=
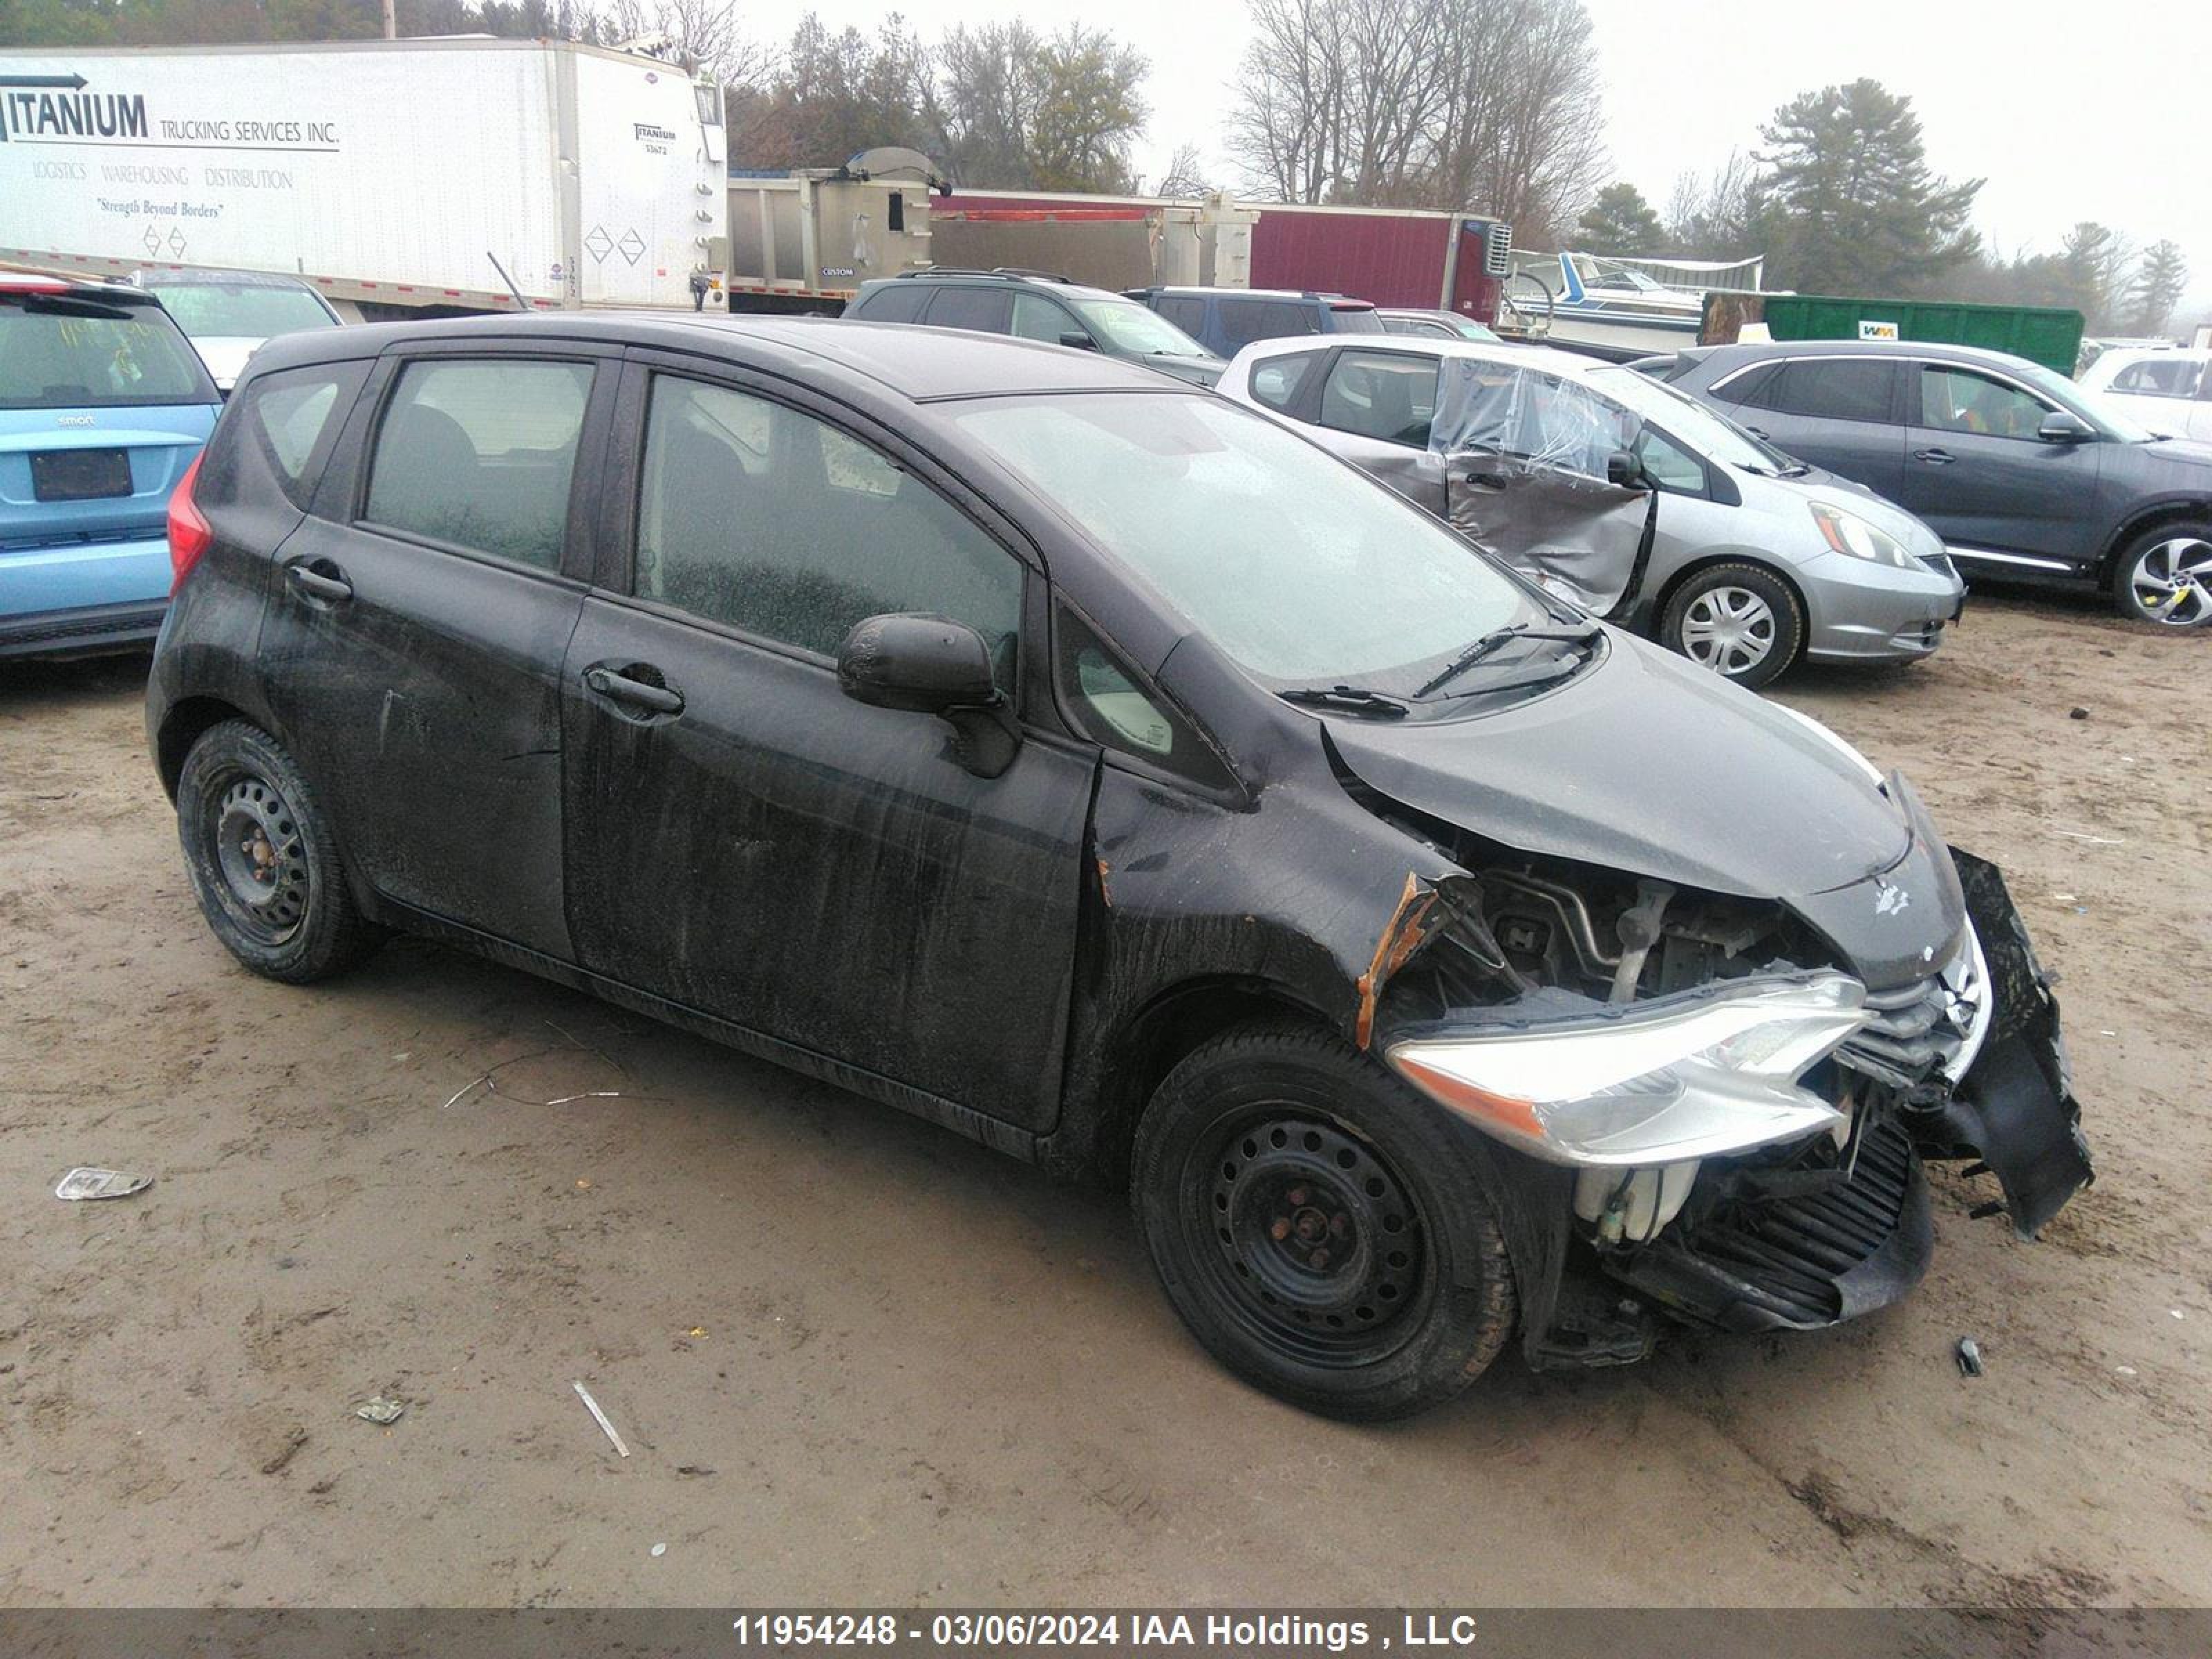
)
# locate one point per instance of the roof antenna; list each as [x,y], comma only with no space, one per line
[520,304]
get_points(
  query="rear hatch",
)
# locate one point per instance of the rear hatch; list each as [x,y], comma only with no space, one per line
[103,404]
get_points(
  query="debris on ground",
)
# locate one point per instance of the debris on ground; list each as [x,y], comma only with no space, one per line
[659,1550]
[1970,1357]
[81,1184]
[274,1464]
[599,1416]
[378,1409]
[2077,713]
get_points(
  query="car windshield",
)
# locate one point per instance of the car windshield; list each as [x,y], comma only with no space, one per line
[1707,430]
[1300,567]
[1128,326]
[74,353]
[2093,407]
[255,311]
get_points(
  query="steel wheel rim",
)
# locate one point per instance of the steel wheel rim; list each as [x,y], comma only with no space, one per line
[2172,581]
[260,859]
[1730,630]
[1312,1241]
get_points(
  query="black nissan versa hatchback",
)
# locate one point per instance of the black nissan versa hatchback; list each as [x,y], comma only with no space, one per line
[1096,768]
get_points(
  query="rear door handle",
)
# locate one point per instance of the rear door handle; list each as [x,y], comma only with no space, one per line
[325,584]
[639,694]
[1934,456]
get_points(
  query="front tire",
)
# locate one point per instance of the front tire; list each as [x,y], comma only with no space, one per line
[262,860]
[1741,621]
[2165,576]
[1322,1230]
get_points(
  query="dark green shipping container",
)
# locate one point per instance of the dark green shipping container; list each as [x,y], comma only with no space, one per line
[2042,334]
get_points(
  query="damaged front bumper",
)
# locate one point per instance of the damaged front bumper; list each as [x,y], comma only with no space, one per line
[1800,1199]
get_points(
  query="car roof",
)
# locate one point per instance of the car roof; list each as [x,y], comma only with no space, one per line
[79,287]
[1568,365]
[1750,350]
[1043,280]
[183,275]
[922,365]
[1195,292]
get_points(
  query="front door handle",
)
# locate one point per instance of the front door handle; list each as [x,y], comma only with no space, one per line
[1489,480]
[621,687]
[1934,456]
[1758,432]
[325,584]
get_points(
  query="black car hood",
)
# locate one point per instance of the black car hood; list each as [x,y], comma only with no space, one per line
[1652,766]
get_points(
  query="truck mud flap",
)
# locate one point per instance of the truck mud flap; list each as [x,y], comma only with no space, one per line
[2015,1109]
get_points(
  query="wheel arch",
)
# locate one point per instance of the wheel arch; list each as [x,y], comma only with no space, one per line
[2181,509]
[184,723]
[1094,1140]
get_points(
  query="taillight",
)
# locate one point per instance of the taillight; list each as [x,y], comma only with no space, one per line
[190,533]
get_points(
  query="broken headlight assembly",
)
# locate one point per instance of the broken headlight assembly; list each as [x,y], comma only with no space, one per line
[1697,1074]
[1848,534]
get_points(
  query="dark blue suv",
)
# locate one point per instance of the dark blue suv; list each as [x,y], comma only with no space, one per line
[1227,320]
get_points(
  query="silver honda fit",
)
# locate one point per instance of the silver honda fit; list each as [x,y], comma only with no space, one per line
[1622,495]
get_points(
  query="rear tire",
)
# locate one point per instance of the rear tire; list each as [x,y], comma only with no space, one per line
[1739,620]
[1320,1228]
[2165,576]
[263,862]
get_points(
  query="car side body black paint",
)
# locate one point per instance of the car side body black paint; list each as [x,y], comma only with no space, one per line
[789,869]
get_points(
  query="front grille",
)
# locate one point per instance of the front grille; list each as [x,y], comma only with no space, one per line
[1793,1250]
[1759,1257]
[1940,564]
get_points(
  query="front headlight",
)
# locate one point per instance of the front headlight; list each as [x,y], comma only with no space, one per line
[1848,533]
[1697,1074]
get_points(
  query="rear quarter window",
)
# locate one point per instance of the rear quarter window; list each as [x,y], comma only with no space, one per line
[279,430]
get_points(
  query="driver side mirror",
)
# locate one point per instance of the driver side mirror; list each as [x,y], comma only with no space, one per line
[1625,471]
[1079,340]
[924,665]
[2062,426]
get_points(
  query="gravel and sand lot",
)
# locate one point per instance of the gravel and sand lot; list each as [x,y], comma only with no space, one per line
[858,1360]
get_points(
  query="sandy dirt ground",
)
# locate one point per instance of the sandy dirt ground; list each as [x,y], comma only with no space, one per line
[859,1360]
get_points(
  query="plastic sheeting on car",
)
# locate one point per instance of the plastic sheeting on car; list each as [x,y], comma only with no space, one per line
[1524,457]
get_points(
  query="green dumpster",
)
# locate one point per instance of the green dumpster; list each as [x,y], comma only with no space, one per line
[2042,334]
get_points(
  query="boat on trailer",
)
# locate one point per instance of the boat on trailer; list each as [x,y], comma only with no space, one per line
[1620,308]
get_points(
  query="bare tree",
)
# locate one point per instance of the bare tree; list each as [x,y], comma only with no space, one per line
[702,34]
[1185,173]
[1468,103]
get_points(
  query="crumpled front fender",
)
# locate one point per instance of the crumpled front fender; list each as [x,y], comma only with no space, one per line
[2015,1109]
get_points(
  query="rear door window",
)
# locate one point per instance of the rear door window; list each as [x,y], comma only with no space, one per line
[900,302]
[985,310]
[1390,395]
[478,454]
[1855,389]
[1184,311]
[1244,321]
[62,352]
[757,516]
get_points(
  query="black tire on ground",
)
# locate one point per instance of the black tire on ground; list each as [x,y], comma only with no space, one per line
[1323,1229]
[2143,576]
[263,862]
[1703,600]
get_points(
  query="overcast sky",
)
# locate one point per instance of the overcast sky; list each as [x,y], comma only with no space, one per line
[2068,111]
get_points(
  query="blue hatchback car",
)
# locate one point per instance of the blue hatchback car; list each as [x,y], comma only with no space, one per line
[103,405]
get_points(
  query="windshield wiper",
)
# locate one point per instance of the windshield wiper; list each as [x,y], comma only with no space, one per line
[1349,699]
[1498,638]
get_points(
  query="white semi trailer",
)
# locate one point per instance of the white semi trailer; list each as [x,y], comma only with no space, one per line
[402,174]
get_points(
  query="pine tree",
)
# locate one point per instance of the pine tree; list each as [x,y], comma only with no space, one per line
[2158,287]
[1619,221]
[1846,201]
